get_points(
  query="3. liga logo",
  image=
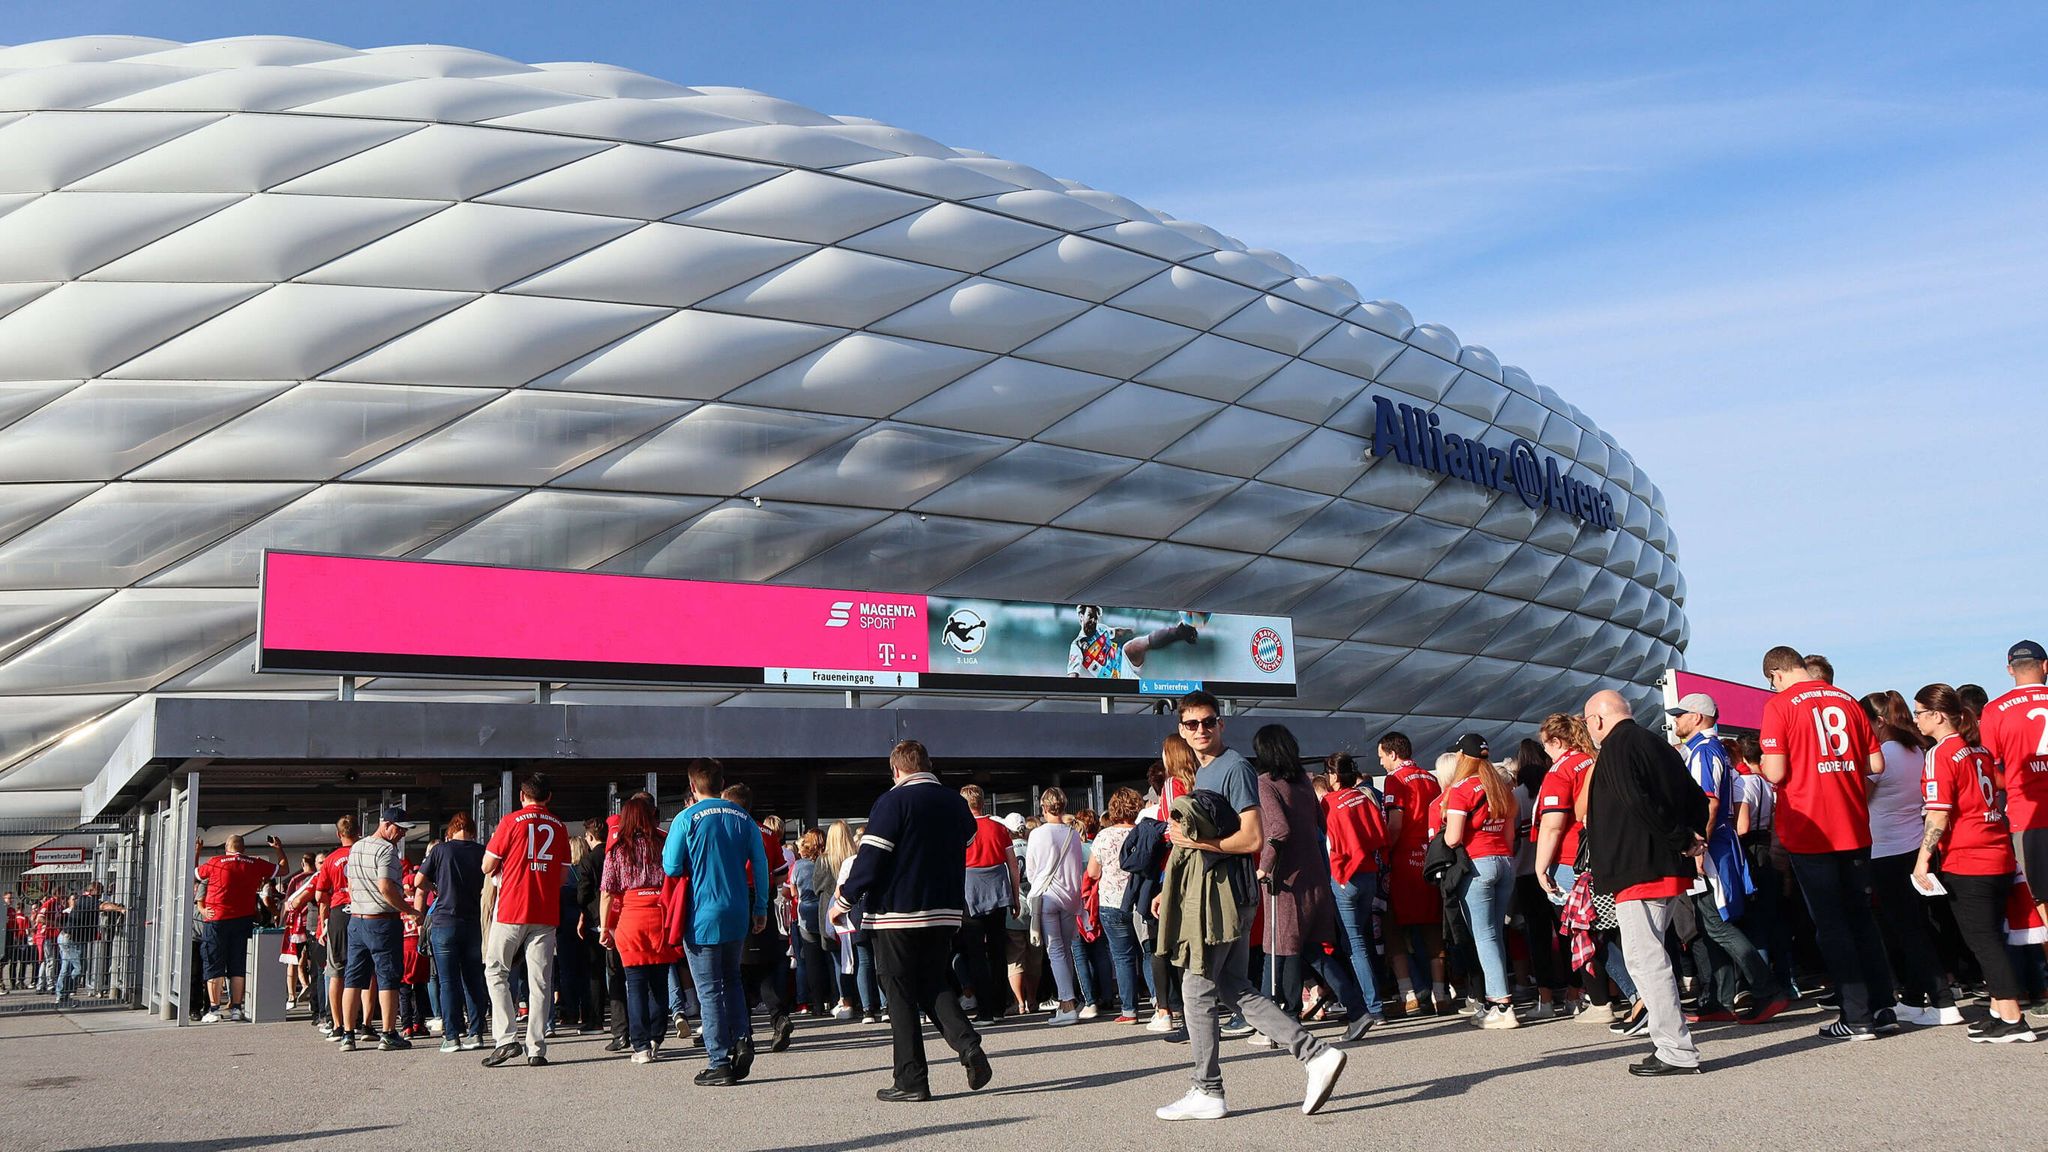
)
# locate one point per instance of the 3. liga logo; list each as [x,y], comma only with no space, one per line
[1267,651]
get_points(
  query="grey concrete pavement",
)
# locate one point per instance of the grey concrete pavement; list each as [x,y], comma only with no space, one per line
[1439,1085]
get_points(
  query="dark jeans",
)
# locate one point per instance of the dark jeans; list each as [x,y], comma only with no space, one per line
[1837,889]
[646,1004]
[1549,968]
[915,967]
[1124,957]
[1979,903]
[982,961]
[1908,932]
[597,974]
[1721,952]
[571,982]
[767,977]
[458,947]
[615,991]
[821,987]
[1764,920]
[858,987]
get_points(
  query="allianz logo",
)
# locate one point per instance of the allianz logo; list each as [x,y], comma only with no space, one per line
[842,612]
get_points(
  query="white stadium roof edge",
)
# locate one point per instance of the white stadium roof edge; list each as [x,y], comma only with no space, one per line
[427,301]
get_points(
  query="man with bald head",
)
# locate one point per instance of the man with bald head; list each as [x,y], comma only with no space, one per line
[227,911]
[1644,823]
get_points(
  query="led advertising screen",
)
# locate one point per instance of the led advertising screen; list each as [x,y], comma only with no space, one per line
[368,616]
[1098,649]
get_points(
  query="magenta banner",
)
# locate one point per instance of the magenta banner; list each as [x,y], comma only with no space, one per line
[370,616]
[364,616]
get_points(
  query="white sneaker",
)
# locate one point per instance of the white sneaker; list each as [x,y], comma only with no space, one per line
[434,1026]
[238,1016]
[1089,1012]
[1196,1105]
[1160,1022]
[1918,1017]
[1948,1015]
[1258,1040]
[1062,1019]
[212,1016]
[643,1056]
[1498,1018]
[842,1012]
[1323,1071]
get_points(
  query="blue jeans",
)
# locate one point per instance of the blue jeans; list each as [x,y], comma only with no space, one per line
[1124,954]
[716,970]
[1089,966]
[858,987]
[1056,928]
[1354,921]
[1487,892]
[70,966]
[646,1024]
[458,947]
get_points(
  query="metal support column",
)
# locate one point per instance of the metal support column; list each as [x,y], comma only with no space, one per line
[543,693]
[1095,794]
[654,788]
[345,688]
[811,776]
[505,805]
[179,880]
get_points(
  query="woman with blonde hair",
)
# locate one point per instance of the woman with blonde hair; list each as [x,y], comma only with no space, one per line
[1479,816]
[813,966]
[840,847]
[1054,860]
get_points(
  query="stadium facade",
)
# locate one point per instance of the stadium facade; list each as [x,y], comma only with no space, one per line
[429,302]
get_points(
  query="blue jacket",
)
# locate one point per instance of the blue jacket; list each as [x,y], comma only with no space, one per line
[714,842]
[1708,763]
[912,867]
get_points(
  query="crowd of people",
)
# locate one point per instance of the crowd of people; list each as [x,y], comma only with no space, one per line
[1872,854]
[60,944]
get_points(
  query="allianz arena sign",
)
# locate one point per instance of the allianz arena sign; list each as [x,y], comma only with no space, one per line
[1413,436]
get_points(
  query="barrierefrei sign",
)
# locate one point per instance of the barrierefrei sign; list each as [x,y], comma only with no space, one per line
[1414,437]
[370,616]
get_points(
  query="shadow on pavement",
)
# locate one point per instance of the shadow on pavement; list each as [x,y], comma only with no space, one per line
[227,1142]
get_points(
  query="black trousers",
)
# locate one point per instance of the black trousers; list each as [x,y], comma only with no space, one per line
[1550,967]
[914,966]
[1837,890]
[615,992]
[1902,915]
[597,974]
[1979,903]
[983,945]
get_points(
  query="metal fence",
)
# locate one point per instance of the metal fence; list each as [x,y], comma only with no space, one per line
[75,914]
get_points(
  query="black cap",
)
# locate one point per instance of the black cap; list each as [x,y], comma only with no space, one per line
[395,815]
[1472,744]
[2025,650]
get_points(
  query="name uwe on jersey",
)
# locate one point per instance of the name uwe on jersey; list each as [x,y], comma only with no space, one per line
[1413,436]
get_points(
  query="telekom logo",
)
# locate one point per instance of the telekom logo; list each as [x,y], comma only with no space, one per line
[842,613]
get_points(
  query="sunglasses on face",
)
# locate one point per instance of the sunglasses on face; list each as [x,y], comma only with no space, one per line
[1202,723]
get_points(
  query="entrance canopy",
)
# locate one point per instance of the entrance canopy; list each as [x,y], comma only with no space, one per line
[304,761]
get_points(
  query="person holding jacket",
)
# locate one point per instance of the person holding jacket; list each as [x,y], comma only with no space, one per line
[1356,829]
[715,845]
[1644,824]
[911,876]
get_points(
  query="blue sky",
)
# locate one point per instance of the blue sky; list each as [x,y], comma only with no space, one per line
[1794,257]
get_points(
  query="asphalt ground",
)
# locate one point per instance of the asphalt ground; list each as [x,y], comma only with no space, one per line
[121,1081]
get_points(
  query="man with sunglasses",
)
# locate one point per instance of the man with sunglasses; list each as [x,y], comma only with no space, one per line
[1226,982]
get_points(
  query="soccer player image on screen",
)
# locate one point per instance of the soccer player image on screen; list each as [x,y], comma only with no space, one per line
[1096,652]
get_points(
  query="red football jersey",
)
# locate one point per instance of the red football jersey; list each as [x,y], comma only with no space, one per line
[1413,791]
[1962,781]
[1356,831]
[2016,732]
[233,882]
[532,848]
[1826,741]
[330,880]
[1485,833]
[1560,793]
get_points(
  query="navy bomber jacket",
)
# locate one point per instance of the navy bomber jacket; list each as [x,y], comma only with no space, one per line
[912,867]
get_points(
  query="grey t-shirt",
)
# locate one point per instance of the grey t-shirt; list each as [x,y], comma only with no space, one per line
[373,858]
[1234,777]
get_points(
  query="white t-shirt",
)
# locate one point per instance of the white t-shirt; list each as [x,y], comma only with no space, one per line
[1755,791]
[1896,819]
[1056,860]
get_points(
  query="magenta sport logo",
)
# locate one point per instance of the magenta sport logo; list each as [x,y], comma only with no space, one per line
[1268,653]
